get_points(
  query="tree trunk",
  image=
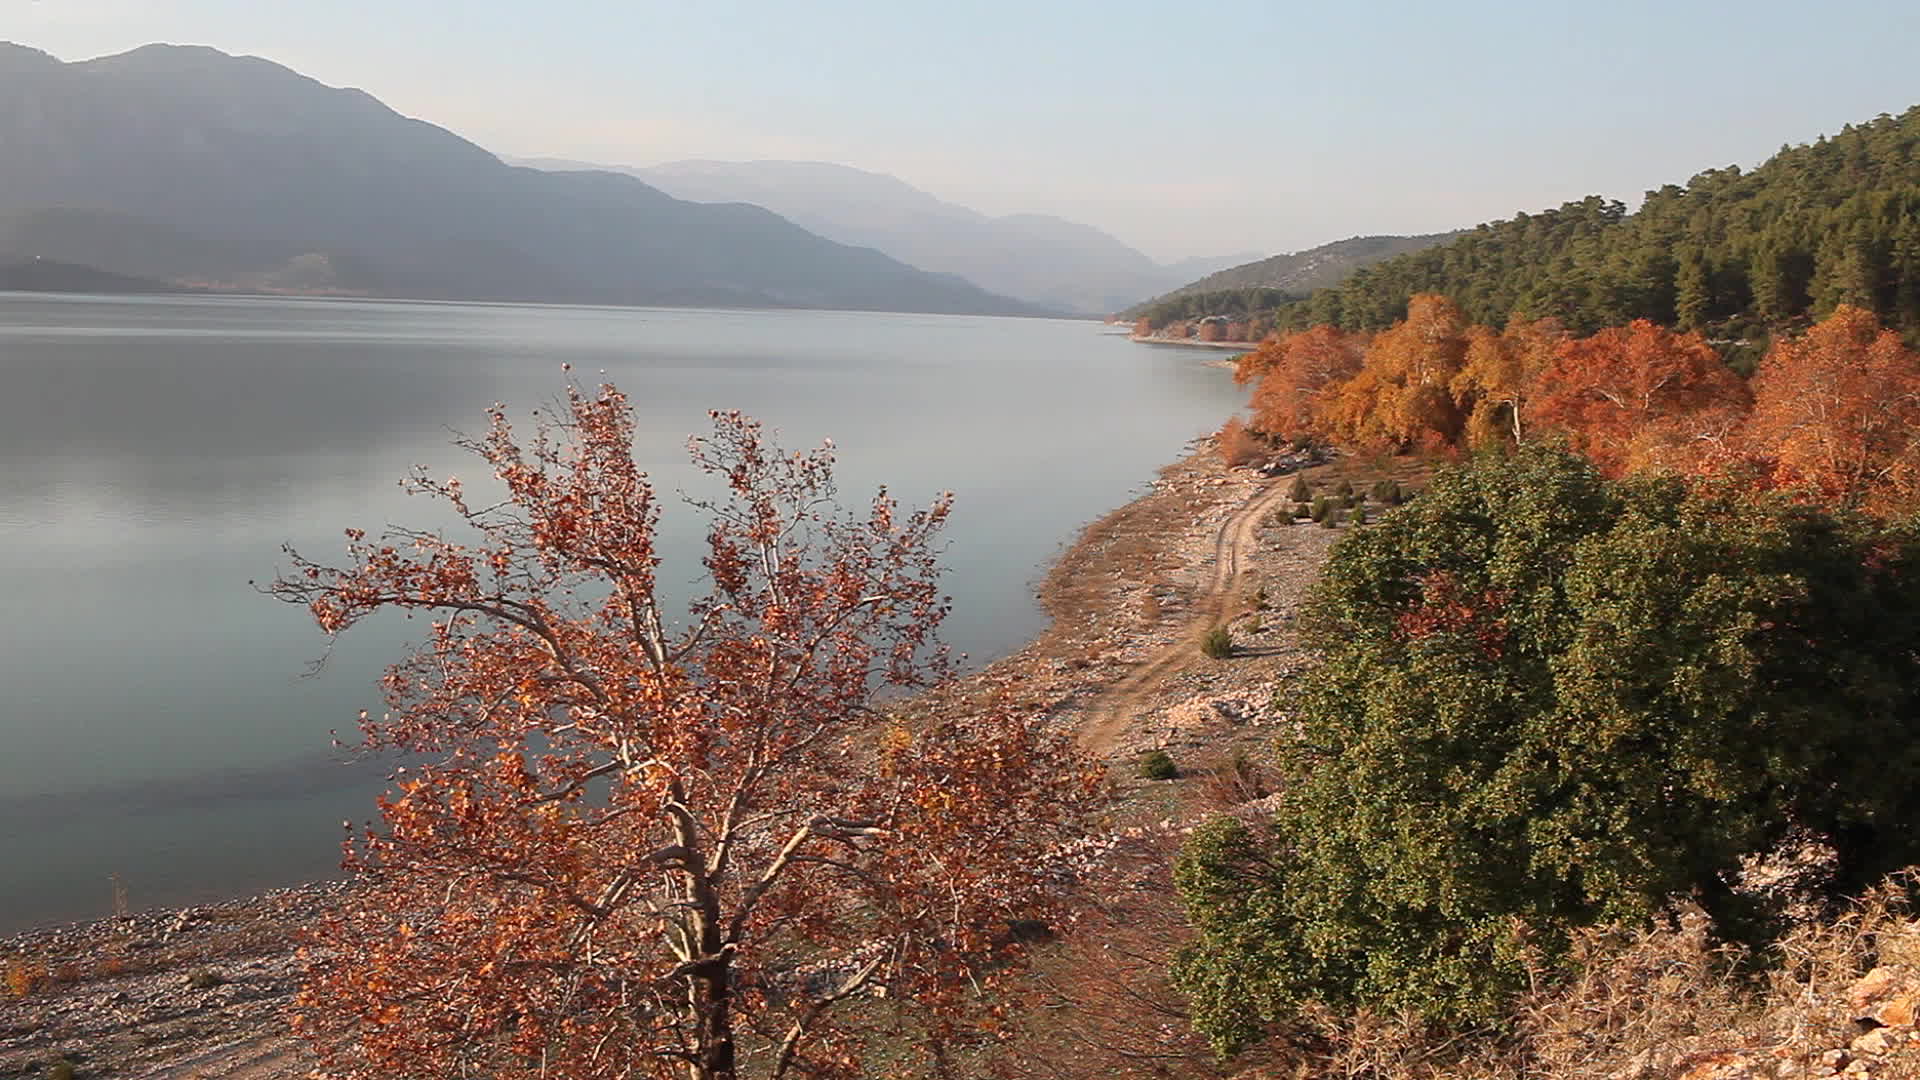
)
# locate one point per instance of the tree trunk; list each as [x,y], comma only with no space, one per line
[714,990]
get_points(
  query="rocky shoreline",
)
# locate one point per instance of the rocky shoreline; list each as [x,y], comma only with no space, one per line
[137,994]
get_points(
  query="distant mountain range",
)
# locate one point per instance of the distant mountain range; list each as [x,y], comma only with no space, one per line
[48,275]
[1299,273]
[1045,260]
[190,165]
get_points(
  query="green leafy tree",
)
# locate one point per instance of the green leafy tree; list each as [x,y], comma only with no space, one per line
[1549,701]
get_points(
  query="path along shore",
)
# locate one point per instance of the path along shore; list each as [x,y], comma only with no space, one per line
[198,992]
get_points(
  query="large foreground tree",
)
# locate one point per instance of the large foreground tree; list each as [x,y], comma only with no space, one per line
[647,848]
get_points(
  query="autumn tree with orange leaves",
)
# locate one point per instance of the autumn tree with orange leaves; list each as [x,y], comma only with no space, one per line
[1838,412]
[1497,377]
[641,847]
[1402,397]
[1294,375]
[1639,395]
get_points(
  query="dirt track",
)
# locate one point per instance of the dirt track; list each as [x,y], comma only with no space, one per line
[1109,713]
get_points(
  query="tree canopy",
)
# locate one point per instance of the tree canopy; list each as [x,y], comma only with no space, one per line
[1551,700]
[1833,222]
[640,847]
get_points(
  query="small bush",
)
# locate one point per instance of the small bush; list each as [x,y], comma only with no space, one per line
[1359,515]
[1157,765]
[1301,510]
[1318,511]
[1236,444]
[1331,520]
[1237,781]
[205,979]
[23,977]
[1218,644]
[60,1070]
[1300,491]
[1344,489]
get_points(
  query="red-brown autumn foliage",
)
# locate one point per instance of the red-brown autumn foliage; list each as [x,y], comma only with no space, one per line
[1294,374]
[1403,395]
[1237,445]
[647,848]
[1838,412]
[1641,395]
[1497,378]
[1834,414]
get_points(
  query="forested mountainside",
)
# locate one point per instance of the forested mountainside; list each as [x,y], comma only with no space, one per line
[1833,222]
[192,165]
[1244,290]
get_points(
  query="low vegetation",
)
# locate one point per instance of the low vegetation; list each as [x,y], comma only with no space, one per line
[1237,445]
[1217,644]
[1157,765]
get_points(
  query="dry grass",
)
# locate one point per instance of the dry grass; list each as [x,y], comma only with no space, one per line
[1652,1003]
[1236,781]
[1100,1005]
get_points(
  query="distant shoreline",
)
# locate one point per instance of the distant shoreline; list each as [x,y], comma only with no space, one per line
[1195,343]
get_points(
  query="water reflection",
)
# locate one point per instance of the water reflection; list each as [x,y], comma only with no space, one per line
[155,452]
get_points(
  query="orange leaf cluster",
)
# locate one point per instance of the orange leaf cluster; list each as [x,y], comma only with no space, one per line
[1838,412]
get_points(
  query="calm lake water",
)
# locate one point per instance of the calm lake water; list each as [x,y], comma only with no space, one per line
[155,719]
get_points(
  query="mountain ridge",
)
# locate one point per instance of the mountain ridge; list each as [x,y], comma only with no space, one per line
[1295,274]
[1041,258]
[255,166]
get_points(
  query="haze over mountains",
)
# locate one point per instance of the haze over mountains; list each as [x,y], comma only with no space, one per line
[1046,260]
[185,163]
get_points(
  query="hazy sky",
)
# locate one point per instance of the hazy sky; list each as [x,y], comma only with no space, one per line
[1203,127]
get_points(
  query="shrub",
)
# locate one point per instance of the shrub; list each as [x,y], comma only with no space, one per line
[1331,518]
[1593,698]
[1236,444]
[1359,515]
[1384,492]
[60,1070]
[1318,511]
[1157,765]
[1218,644]
[1239,780]
[1300,491]
[205,979]
[23,977]
[1301,510]
[1344,489]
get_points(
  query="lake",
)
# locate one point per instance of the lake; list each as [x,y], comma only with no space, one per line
[157,722]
